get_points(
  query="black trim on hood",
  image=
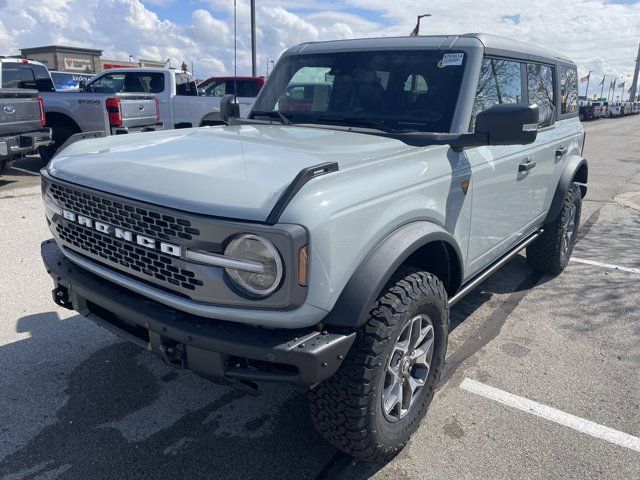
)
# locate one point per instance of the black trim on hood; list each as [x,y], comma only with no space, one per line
[294,187]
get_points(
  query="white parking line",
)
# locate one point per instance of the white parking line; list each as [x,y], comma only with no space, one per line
[23,170]
[529,406]
[605,265]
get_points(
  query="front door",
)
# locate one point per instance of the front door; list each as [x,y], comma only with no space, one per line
[502,188]
[502,177]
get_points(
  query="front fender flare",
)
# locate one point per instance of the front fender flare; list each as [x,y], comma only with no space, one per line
[364,286]
[573,164]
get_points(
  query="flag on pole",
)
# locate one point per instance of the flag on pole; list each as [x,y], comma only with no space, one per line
[601,83]
[585,79]
[612,84]
[416,30]
[621,85]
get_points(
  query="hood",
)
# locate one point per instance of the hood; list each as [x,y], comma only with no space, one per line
[235,172]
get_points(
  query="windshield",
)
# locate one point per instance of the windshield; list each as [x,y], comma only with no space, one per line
[387,90]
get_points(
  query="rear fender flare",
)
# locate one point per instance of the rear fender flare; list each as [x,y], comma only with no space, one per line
[576,169]
[363,288]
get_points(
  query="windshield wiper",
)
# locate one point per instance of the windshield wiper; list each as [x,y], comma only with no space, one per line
[284,120]
[364,122]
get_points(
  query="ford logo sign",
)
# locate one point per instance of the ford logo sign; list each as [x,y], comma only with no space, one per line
[141,107]
[9,109]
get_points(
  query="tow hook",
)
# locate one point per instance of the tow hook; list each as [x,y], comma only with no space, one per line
[173,354]
[62,298]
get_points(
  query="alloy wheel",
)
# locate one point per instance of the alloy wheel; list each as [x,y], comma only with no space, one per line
[408,367]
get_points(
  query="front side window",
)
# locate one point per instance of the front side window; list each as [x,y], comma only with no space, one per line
[568,90]
[541,91]
[217,89]
[500,82]
[396,90]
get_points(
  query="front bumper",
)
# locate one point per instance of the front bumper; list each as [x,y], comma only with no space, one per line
[145,128]
[24,143]
[211,348]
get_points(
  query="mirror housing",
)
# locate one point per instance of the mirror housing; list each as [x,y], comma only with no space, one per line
[509,124]
[82,84]
[229,108]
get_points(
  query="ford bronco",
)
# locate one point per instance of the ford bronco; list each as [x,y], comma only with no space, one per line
[324,246]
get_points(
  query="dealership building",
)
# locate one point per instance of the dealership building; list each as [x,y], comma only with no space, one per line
[79,60]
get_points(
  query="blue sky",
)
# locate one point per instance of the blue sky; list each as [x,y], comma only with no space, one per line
[601,35]
[180,11]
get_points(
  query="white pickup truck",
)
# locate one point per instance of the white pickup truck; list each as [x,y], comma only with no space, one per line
[180,105]
[71,113]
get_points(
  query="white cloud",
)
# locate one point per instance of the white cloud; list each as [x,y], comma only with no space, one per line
[600,35]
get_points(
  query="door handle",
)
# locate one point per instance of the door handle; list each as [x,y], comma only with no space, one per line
[526,165]
[561,151]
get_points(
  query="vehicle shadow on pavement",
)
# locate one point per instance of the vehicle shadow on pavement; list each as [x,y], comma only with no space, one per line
[127,415]
[507,280]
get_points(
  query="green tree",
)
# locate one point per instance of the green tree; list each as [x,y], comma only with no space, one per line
[183,67]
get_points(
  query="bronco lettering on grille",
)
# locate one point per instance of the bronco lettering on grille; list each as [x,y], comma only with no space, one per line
[122,234]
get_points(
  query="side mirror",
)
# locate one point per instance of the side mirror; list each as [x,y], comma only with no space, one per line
[509,124]
[201,91]
[228,108]
[82,84]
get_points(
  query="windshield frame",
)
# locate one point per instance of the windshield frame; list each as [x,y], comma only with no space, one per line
[282,79]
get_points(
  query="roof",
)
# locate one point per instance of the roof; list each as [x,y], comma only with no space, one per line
[48,48]
[492,45]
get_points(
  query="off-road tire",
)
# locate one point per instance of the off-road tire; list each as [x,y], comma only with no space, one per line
[545,254]
[347,408]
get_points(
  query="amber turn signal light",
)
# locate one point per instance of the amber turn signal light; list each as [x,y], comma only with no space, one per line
[303,266]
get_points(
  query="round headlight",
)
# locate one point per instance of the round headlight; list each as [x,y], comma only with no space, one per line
[253,248]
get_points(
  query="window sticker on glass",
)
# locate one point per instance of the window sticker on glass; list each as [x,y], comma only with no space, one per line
[451,59]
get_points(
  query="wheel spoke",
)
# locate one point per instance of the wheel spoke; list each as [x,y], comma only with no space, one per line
[408,366]
[392,395]
[423,355]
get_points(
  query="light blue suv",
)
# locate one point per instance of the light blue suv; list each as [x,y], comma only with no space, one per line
[322,240]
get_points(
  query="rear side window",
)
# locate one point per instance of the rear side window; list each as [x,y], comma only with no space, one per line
[568,90]
[541,91]
[132,82]
[500,82]
[247,88]
[26,75]
[185,85]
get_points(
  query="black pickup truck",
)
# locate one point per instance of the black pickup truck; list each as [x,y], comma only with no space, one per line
[22,129]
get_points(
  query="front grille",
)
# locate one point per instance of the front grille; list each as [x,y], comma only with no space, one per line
[146,262]
[140,220]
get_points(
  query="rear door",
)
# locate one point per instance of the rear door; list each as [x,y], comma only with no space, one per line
[184,114]
[541,90]
[501,186]
[560,132]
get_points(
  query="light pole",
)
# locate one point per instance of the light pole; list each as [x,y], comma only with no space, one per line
[269,62]
[254,66]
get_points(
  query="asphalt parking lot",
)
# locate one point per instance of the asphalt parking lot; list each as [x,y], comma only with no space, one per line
[542,376]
